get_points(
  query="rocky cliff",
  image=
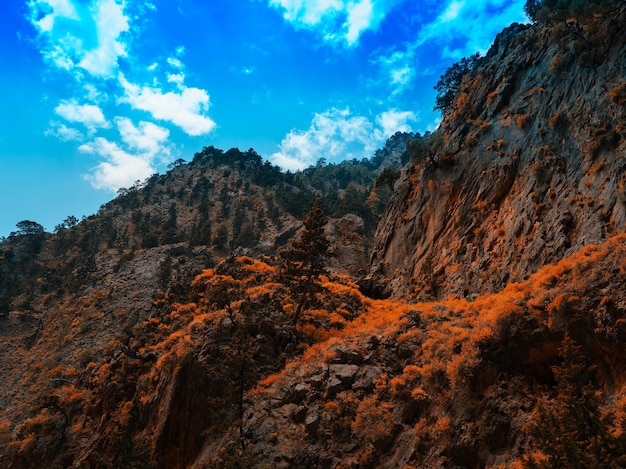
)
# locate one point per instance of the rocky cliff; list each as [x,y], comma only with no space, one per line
[530,169]
[167,331]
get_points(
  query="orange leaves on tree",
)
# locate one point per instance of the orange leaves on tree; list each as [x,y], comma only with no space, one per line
[260,267]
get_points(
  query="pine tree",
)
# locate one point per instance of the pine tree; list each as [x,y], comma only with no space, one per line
[572,430]
[305,261]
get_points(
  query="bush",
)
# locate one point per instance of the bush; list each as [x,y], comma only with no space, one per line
[572,430]
[450,82]
[425,148]
[543,11]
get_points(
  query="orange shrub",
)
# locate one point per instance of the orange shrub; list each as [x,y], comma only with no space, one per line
[618,93]
[522,120]
[259,267]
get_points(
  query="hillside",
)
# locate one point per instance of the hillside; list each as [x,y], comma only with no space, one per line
[530,165]
[74,300]
[171,226]
[460,304]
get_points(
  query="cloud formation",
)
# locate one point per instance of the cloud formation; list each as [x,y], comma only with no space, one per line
[78,36]
[90,115]
[337,134]
[393,121]
[398,69]
[88,40]
[144,145]
[473,25]
[64,133]
[185,109]
[460,28]
[120,168]
[148,139]
[338,21]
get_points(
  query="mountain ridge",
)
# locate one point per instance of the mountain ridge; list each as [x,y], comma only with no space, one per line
[171,329]
[534,169]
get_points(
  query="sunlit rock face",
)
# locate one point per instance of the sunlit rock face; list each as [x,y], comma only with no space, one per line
[172,330]
[531,167]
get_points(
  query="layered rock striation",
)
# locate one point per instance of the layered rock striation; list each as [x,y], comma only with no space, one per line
[531,166]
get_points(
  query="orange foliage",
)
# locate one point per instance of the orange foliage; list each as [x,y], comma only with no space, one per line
[267,288]
[492,96]
[521,120]
[618,93]
[442,424]
[462,101]
[5,425]
[260,267]
[373,422]
[125,412]
[206,274]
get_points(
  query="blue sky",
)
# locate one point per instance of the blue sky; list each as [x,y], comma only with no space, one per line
[97,94]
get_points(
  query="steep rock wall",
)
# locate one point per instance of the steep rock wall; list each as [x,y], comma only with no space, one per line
[532,165]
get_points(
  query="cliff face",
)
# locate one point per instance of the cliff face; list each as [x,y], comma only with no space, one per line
[531,167]
[120,348]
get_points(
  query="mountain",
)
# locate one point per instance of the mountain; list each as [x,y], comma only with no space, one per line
[76,299]
[197,213]
[530,166]
[458,300]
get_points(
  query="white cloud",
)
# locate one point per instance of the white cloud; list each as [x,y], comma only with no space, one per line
[87,39]
[174,62]
[147,138]
[144,145]
[77,36]
[178,78]
[336,20]
[92,93]
[185,109]
[64,133]
[90,115]
[360,17]
[393,121]
[110,24]
[471,25]
[398,69]
[336,135]
[59,9]
[452,12]
[120,168]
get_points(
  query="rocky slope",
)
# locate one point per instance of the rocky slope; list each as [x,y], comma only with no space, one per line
[531,167]
[166,332]
[83,298]
[455,384]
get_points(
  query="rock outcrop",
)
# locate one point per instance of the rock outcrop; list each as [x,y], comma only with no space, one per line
[532,165]
[165,331]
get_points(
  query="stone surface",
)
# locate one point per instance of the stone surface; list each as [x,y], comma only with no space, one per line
[535,178]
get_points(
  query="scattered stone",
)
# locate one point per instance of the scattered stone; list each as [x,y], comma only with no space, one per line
[415,319]
[345,373]
[299,415]
[367,376]
[299,392]
[316,382]
[334,386]
[346,355]
[311,424]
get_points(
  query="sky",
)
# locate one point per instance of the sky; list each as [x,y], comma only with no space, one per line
[98,94]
